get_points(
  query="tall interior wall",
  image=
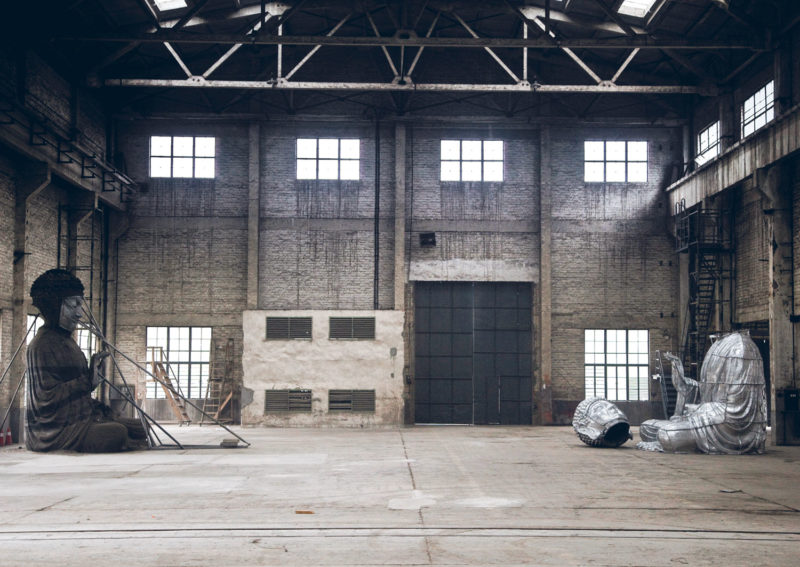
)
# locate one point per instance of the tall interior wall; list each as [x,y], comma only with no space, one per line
[613,259]
[183,261]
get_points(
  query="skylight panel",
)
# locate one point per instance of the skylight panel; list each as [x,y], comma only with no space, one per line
[635,8]
[165,5]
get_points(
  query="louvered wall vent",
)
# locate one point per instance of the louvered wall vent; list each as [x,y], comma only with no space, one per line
[354,328]
[285,328]
[351,400]
[276,401]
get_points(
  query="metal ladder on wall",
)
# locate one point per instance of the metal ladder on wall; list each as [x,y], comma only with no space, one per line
[705,236]
[219,390]
[159,365]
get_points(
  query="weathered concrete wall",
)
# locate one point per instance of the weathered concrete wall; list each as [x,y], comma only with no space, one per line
[322,364]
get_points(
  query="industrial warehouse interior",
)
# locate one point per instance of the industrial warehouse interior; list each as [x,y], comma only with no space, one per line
[358,267]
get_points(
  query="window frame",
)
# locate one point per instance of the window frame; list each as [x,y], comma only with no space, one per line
[184,158]
[302,162]
[462,160]
[600,382]
[195,365]
[767,112]
[625,162]
[706,151]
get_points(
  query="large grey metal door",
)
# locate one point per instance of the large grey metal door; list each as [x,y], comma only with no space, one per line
[473,353]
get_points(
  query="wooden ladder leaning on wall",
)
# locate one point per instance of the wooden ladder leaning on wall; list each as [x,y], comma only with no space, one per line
[219,390]
[160,366]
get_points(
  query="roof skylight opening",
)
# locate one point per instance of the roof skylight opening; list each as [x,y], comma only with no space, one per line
[166,5]
[635,8]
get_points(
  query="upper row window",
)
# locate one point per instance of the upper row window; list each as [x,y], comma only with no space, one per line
[708,144]
[615,161]
[182,156]
[328,158]
[758,109]
[472,160]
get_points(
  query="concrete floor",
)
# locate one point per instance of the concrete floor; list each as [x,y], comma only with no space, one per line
[412,496]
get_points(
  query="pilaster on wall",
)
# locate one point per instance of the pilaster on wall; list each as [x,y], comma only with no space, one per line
[545,394]
[253,214]
[775,187]
[36,178]
[399,216]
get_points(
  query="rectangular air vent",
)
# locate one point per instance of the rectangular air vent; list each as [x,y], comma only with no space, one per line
[286,328]
[354,328]
[351,400]
[287,400]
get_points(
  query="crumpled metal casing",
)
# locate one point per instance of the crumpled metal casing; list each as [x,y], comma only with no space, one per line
[599,423]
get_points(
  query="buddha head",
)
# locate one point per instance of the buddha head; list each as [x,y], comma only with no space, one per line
[59,296]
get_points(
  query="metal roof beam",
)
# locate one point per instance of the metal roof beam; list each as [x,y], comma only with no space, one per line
[605,87]
[640,41]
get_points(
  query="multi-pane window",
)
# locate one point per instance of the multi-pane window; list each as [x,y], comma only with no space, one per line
[182,156]
[616,364]
[37,324]
[328,158]
[615,161]
[186,351]
[758,109]
[472,160]
[708,144]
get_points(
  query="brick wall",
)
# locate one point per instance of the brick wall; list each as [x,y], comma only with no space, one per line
[613,259]
[484,231]
[751,247]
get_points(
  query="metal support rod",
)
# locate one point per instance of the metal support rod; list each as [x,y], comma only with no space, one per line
[225,56]
[569,52]
[624,65]
[488,49]
[525,52]
[178,58]
[383,47]
[19,347]
[422,47]
[280,54]
[316,48]
[11,402]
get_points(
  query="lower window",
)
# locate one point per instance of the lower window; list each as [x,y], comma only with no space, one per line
[185,353]
[616,364]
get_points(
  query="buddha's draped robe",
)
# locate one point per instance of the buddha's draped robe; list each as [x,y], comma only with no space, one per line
[60,408]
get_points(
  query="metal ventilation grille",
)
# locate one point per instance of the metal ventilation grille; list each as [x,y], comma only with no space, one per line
[351,400]
[284,328]
[287,400]
[358,328]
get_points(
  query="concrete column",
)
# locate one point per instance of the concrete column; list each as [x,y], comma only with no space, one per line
[399,216]
[35,178]
[253,215]
[776,190]
[545,395]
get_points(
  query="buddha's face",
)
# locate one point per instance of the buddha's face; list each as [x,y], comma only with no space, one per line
[71,312]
